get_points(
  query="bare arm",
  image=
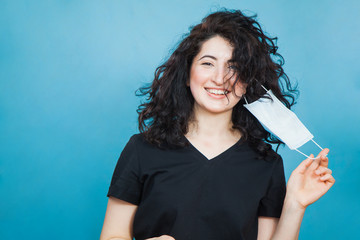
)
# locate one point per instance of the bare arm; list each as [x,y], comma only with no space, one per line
[290,222]
[287,227]
[119,220]
[266,227]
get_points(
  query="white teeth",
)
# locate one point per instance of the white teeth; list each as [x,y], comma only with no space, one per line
[217,91]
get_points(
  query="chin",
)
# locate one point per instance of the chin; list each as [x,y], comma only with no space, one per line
[218,110]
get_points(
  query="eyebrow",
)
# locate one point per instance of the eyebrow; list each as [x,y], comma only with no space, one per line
[212,57]
[209,56]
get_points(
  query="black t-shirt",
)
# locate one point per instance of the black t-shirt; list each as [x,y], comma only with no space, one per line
[179,192]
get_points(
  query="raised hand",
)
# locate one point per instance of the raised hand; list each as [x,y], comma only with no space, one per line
[310,180]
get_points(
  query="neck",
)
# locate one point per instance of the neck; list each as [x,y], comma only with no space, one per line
[211,125]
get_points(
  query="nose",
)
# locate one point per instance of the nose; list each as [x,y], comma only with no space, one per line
[220,75]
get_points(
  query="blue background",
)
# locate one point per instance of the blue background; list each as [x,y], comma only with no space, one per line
[68,73]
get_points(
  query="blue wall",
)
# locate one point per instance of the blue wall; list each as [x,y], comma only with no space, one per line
[68,72]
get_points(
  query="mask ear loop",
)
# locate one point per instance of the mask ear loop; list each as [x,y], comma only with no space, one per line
[307,155]
[262,87]
[246,100]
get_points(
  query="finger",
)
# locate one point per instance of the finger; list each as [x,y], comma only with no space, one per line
[314,164]
[330,181]
[304,165]
[324,152]
[322,170]
[166,237]
[162,237]
[326,177]
[318,160]
[324,161]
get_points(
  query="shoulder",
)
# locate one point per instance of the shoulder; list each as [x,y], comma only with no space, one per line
[274,159]
[139,144]
[267,155]
[132,145]
[273,156]
[137,140]
[140,141]
[277,165]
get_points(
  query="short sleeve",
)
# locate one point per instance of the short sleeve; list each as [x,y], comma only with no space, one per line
[271,204]
[125,183]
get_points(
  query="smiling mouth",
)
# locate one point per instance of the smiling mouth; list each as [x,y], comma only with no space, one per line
[217,91]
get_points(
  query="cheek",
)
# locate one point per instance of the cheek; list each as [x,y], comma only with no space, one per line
[198,77]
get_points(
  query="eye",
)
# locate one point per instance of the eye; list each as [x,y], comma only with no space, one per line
[207,64]
[232,67]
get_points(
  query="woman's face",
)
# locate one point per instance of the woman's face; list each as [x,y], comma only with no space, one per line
[212,77]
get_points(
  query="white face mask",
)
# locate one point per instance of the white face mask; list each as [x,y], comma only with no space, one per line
[282,122]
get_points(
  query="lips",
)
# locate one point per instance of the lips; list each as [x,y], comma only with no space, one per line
[217,91]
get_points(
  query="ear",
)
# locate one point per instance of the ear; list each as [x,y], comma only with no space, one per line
[243,88]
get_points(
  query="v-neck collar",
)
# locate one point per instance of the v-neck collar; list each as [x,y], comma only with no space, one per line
[220,155]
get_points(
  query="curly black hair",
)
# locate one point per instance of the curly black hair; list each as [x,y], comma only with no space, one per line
[164,117]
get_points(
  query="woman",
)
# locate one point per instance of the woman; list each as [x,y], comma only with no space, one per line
[202,166]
